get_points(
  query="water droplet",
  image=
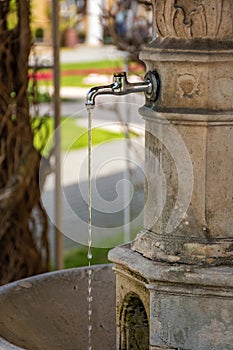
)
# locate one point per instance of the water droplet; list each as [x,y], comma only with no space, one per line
[89,255]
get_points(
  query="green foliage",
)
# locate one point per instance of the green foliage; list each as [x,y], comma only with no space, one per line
[12,18]
[39,33]
[42,130]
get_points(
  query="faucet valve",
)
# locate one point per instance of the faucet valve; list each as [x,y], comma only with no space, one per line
[153,91]
[121,86]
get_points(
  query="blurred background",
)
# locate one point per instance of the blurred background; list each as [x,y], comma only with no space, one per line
[51,54]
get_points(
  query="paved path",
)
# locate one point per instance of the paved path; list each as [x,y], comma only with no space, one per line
[111,193]
[84,53]
[108,108]
[109,159]
[81,53]
[109,218]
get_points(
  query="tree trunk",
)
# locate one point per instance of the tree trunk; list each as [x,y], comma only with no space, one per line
[23,223]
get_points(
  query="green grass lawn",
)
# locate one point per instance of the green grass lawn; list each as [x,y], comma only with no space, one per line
[77,79]
[73,136]
[73,81]
[78,257]
[89,65]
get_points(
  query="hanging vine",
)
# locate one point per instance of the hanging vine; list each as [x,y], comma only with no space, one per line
[24,247]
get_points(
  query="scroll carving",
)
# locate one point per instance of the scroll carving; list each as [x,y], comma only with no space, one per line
[193,18]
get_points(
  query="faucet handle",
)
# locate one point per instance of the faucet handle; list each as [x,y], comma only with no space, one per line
[153,93]
[150,86]
[119,75]
[120,81]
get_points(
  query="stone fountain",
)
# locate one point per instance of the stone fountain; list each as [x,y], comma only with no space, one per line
[49,311]
[174,283]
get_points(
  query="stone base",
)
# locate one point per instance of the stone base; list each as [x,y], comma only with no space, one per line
[175,306]
[161,248]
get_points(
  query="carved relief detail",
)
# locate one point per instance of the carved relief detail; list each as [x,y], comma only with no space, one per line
[226,86]
[188,85]
[192,18]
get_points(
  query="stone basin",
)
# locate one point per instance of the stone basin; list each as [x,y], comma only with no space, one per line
[49,311]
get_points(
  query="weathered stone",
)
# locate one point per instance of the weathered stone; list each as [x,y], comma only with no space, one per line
[180,265]
[188,308]
[195,105]
[193,19]
[49,311]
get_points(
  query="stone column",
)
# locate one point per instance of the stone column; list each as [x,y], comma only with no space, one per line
[177,276]
[189,208]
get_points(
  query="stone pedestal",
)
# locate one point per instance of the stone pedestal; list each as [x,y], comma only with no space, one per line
[163,306]
[189,210]
[180,266]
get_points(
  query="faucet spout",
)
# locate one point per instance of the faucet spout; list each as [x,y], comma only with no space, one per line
[98,90]
[121,86]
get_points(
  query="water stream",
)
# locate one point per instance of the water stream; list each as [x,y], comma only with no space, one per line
[89,253]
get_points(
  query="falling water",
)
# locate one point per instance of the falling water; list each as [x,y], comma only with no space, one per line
[89,253]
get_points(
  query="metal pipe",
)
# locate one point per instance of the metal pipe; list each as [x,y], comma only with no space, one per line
[121,86]
[57,135]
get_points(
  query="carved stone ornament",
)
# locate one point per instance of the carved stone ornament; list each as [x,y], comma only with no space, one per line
[208,19]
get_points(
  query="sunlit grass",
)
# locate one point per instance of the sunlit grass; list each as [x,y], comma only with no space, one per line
[73,136]
[89,65]
[76,79]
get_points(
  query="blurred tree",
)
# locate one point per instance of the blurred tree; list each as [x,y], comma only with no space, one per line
[129,24]
[23,223]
